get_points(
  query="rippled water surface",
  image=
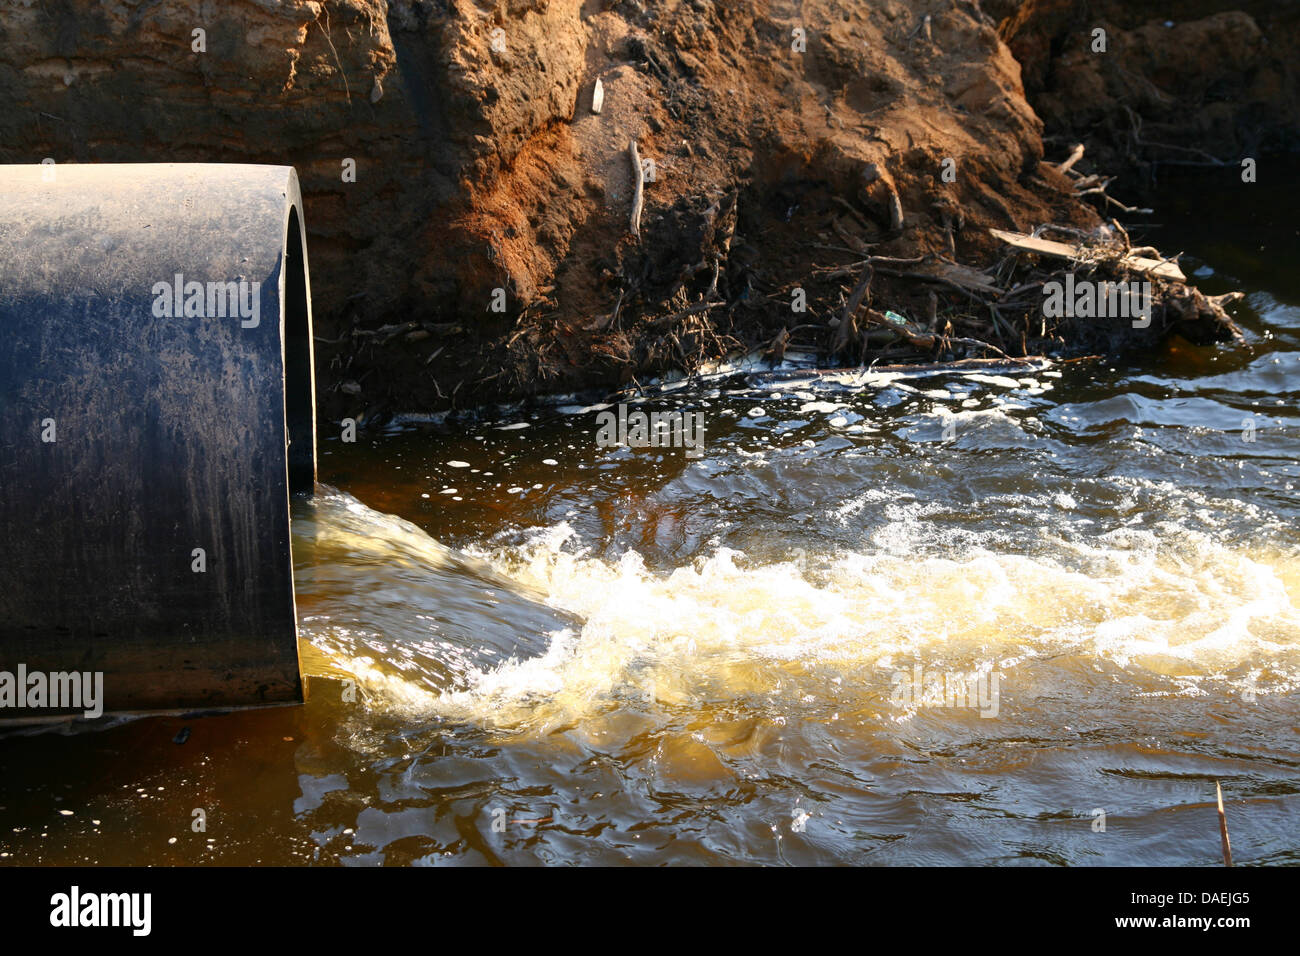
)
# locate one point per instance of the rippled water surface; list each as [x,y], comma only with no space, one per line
[525,648]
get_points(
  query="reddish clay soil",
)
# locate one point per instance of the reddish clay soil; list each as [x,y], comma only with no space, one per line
[790,142]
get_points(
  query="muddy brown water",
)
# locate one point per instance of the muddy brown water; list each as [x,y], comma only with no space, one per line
[525,649]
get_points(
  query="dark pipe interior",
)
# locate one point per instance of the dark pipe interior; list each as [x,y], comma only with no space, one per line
[298,404]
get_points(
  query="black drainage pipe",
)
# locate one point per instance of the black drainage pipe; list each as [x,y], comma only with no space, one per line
[156,412]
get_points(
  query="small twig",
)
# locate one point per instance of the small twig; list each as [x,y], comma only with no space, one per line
[932,340]
[337,62]
[1134,210]
[1000,324]
[976,343]
[638,177]
[1135,123]
[836,272]
[1075,155]
[713,285]
[618,309]
[386,332]
[1223,827]
[830,248]
[1123,234]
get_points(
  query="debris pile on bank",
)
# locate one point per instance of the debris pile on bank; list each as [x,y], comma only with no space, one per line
[470,215]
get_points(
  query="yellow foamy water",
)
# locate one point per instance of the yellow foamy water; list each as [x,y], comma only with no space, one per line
[724,628]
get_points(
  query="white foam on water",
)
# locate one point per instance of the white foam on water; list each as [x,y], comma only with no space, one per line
[1173,609]
[1001,381]
[819,407]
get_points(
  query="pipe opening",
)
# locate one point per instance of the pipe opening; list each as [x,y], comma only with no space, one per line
[299,401]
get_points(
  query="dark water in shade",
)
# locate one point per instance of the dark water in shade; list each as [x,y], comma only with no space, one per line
[560,653]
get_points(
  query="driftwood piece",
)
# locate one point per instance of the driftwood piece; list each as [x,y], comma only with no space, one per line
[638,189]
[1061,250]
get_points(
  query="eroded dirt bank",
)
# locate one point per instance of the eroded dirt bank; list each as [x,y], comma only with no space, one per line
[484,249]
